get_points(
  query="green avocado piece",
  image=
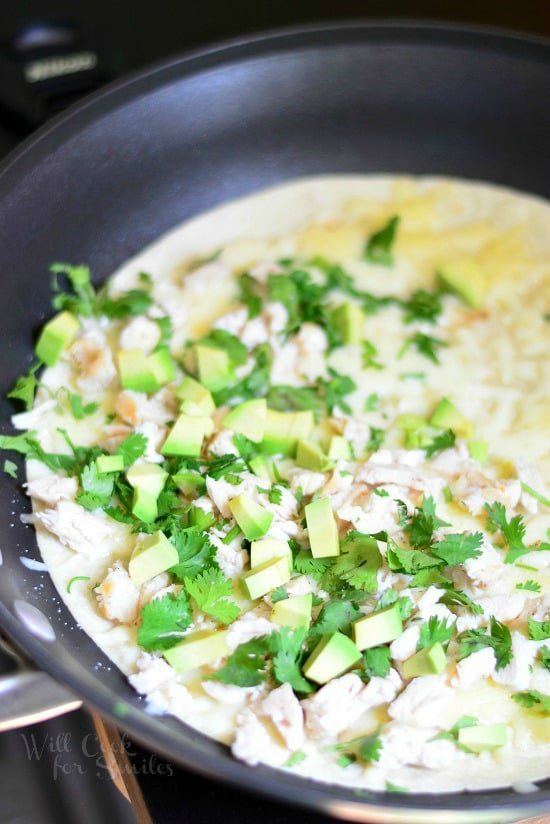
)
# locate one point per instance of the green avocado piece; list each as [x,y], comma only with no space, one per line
[310,456]
[248,418]
[56,336]
[265,577]
[340,449]
[410,423]
[266,549]
[447,416]
[136,371]
[109,463]
[428,661]
[482,737]
[190,482]
[253,519]
[144,505]
[349,320]
[478,450]
[213,367]
[162,364]
[197,649]
[155,554]
[466,280]
[322,529]
[377,628]
[332,656]
[283,430]
[262,467]
[195,399]
[147,476]
[187,435]
[293,612]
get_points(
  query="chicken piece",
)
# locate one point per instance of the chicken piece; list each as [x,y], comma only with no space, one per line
[312,344]
[284,710]
[92,359]
[230,694]
[405,646]
[309,482]
[404,744]
[335,707]
[424,699]
[153,672]
[503,607]
[90,533]
[136,408]
[52,488]
[140,333]
[380,691]
[506,492]
[371,514]
[221,443]
[231,559]
[33,419]
[248,626]
[478,665]
[428,606]
[253,743]
[118,596]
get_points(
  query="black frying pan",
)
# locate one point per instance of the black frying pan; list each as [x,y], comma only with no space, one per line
[122,168]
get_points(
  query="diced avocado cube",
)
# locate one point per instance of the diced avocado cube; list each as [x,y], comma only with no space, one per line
[332,656]
[483,737]
[349,320]
[198,649]
[447,416]
[253,519]
[144,505]
[56,336]
[293,612]
[136,371]
[162,364]
[377,628]
[248,418]
[267,549]
[147,476]
[213,367]
[312,457]
[262,467]
[190,482]
[109,463]
[283,430]
[417,440]
[187,435]
[265,577]
[428,661]
[322,529]
[478,450]
[466,280]
[195,399]
[339,449]
[155,554]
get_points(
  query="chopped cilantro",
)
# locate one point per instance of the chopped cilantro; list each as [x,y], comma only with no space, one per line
[76,578]
[534,494]
[544,653]
[425,345]
[538,630]
[97,488]
[392,596]
[194,549]
[376,439]
[132,448]
[247,664]
[210,590]
[379,246]
[435,631]
[248,287]
[275,494]
[287,648]
[358,562]
[531,586]
[366,748]
[368,354]
[395,788]
[163,621]
[132,303]
[247,448]
[220,339]
[25,387]
[452,733]
[446,440]
[335,616]
[409,561]
[422,306]
[10,468]
[512,531]
[454,549]
[278,594]
[334,390]
[306,564]
[416,376]
[533,700]
[499,639]
[420,527]
[295,759]
[78,409]
[81,298]
[372,402]
[377,662]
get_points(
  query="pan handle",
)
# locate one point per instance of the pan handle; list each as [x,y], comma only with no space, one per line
[27,695]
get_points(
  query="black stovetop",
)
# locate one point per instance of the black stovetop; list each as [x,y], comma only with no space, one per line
[54,772]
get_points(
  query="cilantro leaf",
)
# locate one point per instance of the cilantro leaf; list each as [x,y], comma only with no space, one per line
[368,354]
[25,386]
[78,409]
[278,594]
[392,596]
[132,448]
[422,524]
[359,561]
[425,345]
[512,531]
[306,564]
[334,390]
[379,246]
[131,303]
[248,288]
[335,616]
[446,440]
[287,649]
[210,589]
[531,586]
[456,548]
[247,664]
[163,621]
[10,468]
[435,631]
[97,488]
[247,448]
[285,398]
[81,299]
[499,639]
[377,661]
[220,339]
[376,439]
[194,549]
[533,700]
[538,630]
[409,561]
[367,748]
[422,306]
[544,653]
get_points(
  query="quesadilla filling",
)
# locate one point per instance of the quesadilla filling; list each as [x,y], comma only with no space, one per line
[296,486]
